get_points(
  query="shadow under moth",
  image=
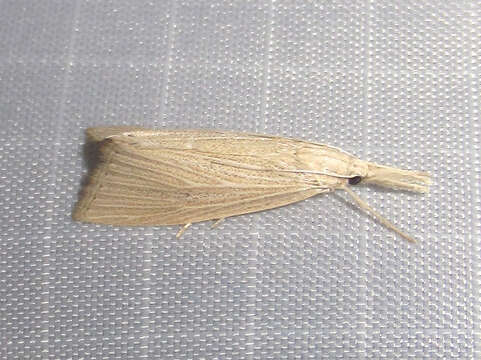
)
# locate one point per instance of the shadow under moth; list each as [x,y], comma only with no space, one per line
[180,177]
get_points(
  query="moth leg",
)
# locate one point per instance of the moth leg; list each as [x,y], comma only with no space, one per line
[182,230]
[365,206]
[217,222]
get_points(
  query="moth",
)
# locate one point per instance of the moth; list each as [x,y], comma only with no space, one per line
[179,177]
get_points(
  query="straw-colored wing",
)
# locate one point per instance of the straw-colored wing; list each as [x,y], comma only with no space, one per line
[149,177]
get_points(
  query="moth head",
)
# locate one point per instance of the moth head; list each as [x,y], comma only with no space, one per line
[332,162]
[395,178]
[355,180]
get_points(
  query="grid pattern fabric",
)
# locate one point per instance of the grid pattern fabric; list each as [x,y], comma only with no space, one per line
[396,82]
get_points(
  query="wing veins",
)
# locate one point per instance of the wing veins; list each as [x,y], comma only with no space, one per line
[224,205]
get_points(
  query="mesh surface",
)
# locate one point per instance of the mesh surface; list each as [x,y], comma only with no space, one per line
[396,82]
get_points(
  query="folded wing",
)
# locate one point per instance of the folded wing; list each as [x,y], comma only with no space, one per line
[175,177]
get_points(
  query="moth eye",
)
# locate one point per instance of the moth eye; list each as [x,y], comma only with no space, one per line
[355,180]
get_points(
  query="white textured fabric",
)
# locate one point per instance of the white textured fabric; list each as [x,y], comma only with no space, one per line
[397,82]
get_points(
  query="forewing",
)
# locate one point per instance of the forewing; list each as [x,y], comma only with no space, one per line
[162,178]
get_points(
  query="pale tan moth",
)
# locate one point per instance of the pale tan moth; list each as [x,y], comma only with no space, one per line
[179,177]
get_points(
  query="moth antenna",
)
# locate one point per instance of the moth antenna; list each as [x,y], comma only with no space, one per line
[365,206]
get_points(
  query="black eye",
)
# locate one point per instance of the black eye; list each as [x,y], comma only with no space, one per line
[355,180]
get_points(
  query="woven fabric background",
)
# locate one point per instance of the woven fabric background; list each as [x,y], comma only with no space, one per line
[397,82]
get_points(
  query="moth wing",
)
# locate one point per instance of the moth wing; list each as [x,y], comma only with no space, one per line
[95,134]
[142,180]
